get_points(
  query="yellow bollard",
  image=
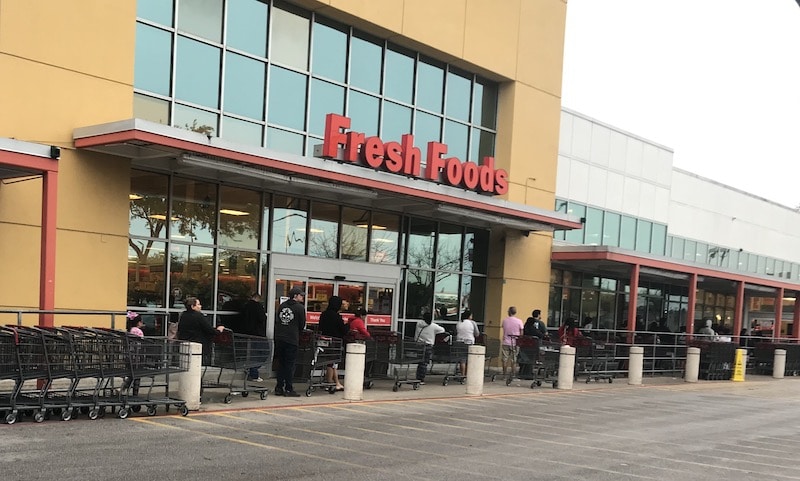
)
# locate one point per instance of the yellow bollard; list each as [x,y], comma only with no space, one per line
[738,365]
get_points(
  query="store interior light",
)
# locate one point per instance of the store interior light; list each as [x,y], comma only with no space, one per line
[233,212]
[161,217]
[135,196]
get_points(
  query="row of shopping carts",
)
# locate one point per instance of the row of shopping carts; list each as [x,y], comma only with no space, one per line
[538,360]
[61,371]
[227,361]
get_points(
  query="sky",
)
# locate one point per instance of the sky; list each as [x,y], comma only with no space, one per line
[716,81]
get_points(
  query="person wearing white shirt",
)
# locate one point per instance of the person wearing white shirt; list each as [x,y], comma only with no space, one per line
[466,332]
[426,333]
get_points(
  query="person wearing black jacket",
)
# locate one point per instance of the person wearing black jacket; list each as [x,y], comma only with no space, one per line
[194,326]
[331,324]
[254,323]
[290,320]
[534,326]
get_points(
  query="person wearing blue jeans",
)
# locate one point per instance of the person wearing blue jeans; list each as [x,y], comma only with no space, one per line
[426,333]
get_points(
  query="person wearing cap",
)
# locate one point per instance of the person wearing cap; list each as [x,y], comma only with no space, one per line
[290,320]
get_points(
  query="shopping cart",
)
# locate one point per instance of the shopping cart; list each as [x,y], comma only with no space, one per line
[550,353]
[492,352]
[410,354]
[231,351]
[448,353]
[386,350]
[602,357]
[527,360]
[322,352]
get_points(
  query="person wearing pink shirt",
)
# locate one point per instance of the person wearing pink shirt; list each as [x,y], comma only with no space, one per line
[512,329]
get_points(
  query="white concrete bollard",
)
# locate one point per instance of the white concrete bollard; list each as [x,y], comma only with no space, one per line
[779,364]
[189,381]
[566,367]
[476,357]
[356,353]
[692,364]
[635,365]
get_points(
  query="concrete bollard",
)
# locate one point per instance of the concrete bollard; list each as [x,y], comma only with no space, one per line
[779,364]
[692,364]
[189,381]
[356,353]
[476,357]
[566,367]
[635,365]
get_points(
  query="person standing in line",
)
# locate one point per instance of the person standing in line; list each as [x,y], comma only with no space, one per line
[331,324]
[569,332]
[290,320]
[534,326]
[426,333]
[135,325]
[254,323]
[466,332]
[512,329]
[356,326]
[195,327]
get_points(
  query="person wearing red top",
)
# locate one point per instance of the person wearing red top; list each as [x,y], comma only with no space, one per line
[357,326]
[569,331]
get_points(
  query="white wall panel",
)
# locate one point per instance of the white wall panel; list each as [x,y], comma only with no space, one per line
[578,181]
[615,195]
[562,177]
[581,138]
[601,145]
[633,157]
[647,200]
[618,151]
[598,186]
[661,208]
[650,162]
[565,134]
[631,192]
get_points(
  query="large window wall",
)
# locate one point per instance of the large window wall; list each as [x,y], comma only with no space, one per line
[266,72]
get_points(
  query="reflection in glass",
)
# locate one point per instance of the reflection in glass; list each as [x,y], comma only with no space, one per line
[659,240]
[323,236]
[289,225]
[284,141]
[237,272]
[247,27]
[430,87]
[627,232]
[239,217]
[364,112]
[643,229]
[244,86]
[157,11]
[481,145]
[329,54]
[476,250]
[473,296]
[445,301]
[355,226]
[241,131]
[458,96]
[576,235]
[191,273]
[593,227]
[152,109]
[419,293]
[448,247]
[611,223]
[366,64]
[396,121]
[153,59]
[287,98]
[427,128]
[421,243]
[399,78]
[325,98]
[146,273]
[194,211]
[380,300]
[201,17]
[148,204]
[385,239]
[289,38]
[197,73]
[455,136]
[484,105]
[194,119]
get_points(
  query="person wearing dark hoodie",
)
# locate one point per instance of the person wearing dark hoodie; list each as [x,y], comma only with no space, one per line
[331,324]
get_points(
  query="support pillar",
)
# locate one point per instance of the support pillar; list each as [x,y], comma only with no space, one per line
[189,381]
[635,365]
[690,308]
[566,367]
[632,302]
[776,329]
[692,364]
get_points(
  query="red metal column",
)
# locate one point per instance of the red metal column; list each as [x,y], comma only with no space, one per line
[738,314]
[634,288]
[776,330]
[690,307]
[796,317]
[47,272]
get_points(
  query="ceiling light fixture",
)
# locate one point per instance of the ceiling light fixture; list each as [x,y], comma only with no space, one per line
[233,212]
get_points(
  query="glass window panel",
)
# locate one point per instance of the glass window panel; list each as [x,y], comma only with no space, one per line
[236,272]
[419,293]
[455,136]
[355,227]
[153,59]
[476,250]
[575,235]
[191,273]
[743,260]
[611,223]
[701,254]
[643,229]
[458,96]
[244,86]
[329,55]
[239,217]
[201,17]
[396,121]
[593,227]
[148,204]
[194,211]
[606,310]
[284,141]
[689,249]
[473,296]
[363,110]
[484,105]
[289,38]
[421,243]
[677,247]
[659,240]
[448,247]
[590,299]
[445,301]
[289,225]
[627,234]
[241,131]
[761,266]
[287,98]
[481,145]
[194,119]
[326,98]
[247,26]
[155,10]
[607,284]
[323,237]
[152,109]
[399,78]
[554,310]
[385,240]
[197,73]
[777,269]
[430,87]
[427,128]
[366,61]
[559,235]
[147,268]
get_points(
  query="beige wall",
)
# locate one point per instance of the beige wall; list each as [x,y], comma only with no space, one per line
[72,64]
